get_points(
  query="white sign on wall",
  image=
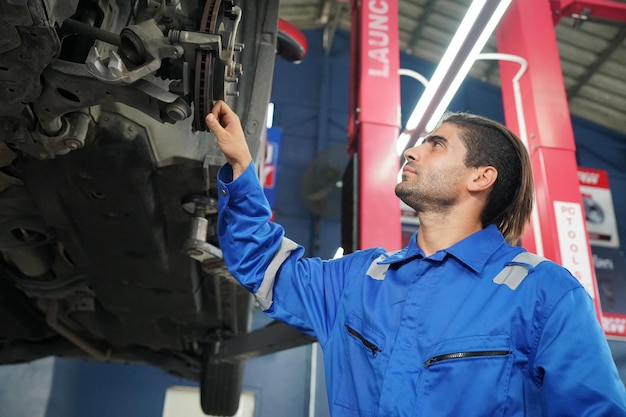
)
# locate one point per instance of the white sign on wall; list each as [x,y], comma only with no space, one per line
[599,210]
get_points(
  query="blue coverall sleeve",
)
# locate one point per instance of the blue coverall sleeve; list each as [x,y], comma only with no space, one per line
[304,292]
[573,364]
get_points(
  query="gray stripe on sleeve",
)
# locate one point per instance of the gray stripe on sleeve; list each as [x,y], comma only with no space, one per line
[266,291]
[515,271]
[377,271]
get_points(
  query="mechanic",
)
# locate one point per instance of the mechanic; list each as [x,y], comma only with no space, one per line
[458,323]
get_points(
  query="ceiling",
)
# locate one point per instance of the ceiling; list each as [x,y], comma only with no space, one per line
[593,54]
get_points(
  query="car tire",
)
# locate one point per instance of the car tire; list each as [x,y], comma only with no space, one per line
[220,386]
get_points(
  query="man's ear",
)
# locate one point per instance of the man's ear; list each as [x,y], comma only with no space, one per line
[482,178]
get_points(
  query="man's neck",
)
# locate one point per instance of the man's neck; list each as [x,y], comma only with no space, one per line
[440,231]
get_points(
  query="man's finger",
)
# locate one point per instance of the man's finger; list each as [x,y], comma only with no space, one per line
[213,123]
[221,107]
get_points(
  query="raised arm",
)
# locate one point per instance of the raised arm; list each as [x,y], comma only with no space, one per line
[298,291]
[226,126]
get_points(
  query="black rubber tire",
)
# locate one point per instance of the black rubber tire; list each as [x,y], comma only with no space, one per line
[220,387]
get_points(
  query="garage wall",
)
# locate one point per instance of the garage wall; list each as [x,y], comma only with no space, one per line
[311,102]
[311,108]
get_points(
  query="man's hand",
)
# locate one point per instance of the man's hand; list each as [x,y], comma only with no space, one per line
[226,127]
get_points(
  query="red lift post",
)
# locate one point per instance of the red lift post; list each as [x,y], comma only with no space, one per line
[527,30]
[374,124]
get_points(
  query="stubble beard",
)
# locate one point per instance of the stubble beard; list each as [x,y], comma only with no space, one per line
[430,197]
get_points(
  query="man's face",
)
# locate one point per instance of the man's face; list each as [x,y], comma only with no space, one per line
[434,175]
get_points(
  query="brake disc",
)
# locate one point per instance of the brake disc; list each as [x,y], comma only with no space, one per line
[210,75]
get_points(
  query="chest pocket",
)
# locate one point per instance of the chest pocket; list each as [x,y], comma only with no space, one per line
[469,376]
[361,367]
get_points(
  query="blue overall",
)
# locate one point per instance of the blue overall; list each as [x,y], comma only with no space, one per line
[445,335]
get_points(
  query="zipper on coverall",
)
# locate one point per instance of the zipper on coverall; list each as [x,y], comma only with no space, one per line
[369,345]
[461,355]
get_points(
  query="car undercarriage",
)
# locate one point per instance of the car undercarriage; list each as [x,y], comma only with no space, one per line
[107,180]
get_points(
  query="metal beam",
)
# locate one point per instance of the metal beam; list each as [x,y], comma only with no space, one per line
[421,23]
[325,10]
[593,68]
[272,338]
[331,26]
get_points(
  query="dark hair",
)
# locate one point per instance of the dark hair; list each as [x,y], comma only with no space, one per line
[489,143]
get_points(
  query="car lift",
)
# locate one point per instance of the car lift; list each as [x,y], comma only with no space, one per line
[559,231]
[371,216]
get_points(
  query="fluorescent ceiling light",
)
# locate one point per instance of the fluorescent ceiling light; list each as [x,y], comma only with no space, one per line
[481,19]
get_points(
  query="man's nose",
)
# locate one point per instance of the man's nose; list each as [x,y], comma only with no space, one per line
[411,154]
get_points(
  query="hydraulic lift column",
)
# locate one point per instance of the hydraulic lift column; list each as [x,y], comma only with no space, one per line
[559,229]
[371,211]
